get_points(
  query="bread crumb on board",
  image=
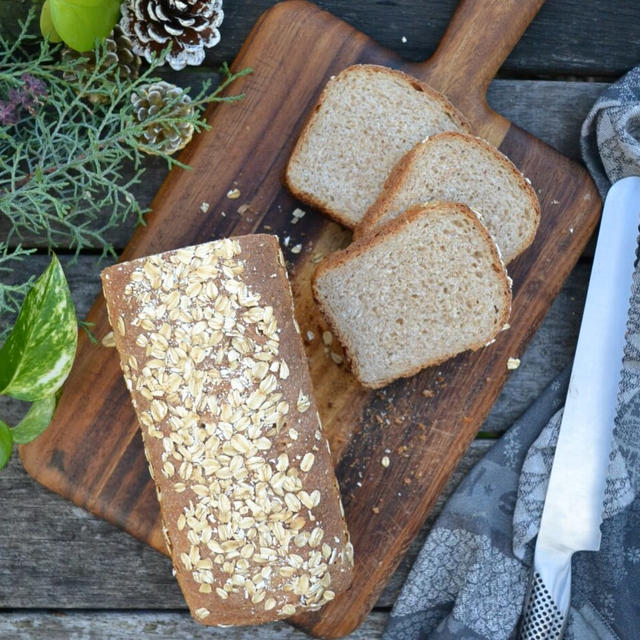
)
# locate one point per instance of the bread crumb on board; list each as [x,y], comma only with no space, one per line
[385,462]
[204,207]
[233,194]
[297,215]
[513,363]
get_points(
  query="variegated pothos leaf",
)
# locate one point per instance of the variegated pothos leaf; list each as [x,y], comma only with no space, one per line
[35,421]
[6,444]
[37,356]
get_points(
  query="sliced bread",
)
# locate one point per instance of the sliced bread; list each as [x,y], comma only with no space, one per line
[365,120]
[430,284]
[462,168]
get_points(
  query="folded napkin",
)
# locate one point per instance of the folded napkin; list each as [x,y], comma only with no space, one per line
[471,577]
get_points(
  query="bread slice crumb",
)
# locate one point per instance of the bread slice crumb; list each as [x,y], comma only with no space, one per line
[367,117]
[430,284]
[513,363]
[459,167]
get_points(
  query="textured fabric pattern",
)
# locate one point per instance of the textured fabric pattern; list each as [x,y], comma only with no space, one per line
[470,579]
[532,488]
[610,140]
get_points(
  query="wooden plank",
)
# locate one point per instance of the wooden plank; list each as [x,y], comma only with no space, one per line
[247,147]
[56,555]
[82,273]
[118,625]
[551,111]
[567,36]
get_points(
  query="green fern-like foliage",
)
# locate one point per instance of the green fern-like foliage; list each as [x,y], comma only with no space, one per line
[11,294]
[65,163]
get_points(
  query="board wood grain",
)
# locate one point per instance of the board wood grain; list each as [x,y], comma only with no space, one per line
[92,452]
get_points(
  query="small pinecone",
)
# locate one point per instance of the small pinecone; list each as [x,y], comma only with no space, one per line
[119,57]
[189,26]
[150,99]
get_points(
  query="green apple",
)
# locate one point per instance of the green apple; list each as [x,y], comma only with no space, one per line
[81,22]
[46,25]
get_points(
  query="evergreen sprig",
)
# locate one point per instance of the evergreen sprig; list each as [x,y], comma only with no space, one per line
[66,164]
[11,295]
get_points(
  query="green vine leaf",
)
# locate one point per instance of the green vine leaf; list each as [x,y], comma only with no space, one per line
[37,356]
[35,421]
[6,444]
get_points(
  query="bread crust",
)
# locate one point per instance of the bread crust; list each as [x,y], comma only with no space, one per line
[302,140]
[265,273]
[363,244]
[394,183]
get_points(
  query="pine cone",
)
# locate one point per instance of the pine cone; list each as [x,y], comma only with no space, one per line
[171,137]
[189,26]
[119,59]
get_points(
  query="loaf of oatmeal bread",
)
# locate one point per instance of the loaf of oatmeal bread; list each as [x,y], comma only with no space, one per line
[212,357]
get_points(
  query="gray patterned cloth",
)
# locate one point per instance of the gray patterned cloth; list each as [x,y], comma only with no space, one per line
[470,579]
[610,137]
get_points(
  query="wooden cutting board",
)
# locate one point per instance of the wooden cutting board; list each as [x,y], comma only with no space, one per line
[92,452]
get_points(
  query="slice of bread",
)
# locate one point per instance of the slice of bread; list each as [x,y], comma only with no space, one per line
[365,120]
[430,284]
[458,167]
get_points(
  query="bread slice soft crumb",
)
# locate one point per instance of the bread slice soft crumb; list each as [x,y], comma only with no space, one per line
[429,285]
[365,120]
[459,167]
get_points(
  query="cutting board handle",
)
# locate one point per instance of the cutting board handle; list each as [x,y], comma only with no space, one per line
[480,36]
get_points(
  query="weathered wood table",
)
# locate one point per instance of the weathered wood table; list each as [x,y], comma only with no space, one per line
[66,574]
